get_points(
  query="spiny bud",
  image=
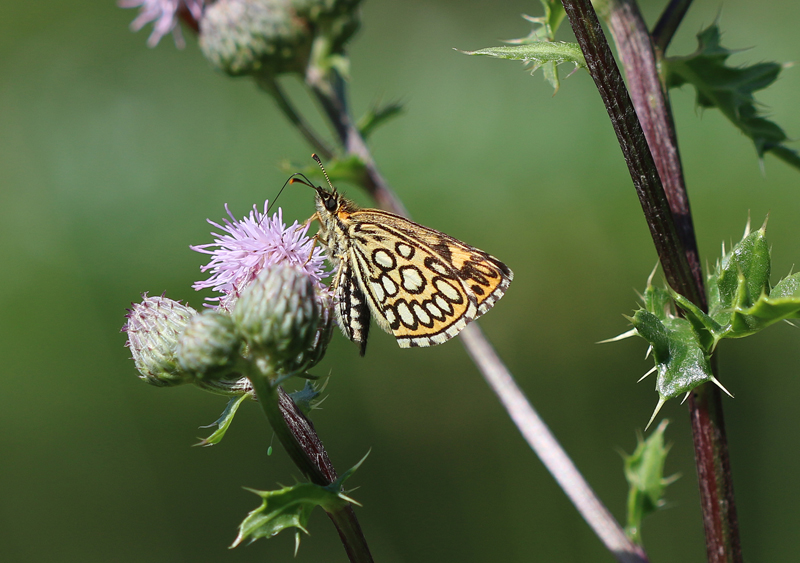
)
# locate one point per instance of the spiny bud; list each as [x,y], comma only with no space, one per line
[277,315]
[242,36]
[248,36]
[209,346]
[153,328]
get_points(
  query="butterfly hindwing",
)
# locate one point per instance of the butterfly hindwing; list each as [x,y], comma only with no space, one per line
[352,310]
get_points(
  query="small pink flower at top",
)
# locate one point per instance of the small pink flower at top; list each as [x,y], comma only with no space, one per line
[164,15]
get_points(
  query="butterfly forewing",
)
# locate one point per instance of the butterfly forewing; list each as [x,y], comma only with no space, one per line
[422,285]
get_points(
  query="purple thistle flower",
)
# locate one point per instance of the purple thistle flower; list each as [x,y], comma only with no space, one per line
[164,14]
[251,244]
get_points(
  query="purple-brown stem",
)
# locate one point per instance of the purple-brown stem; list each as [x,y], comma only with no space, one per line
[666,209]
[297,435]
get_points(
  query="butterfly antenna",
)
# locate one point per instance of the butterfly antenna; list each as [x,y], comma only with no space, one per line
[292,179]
[315,157]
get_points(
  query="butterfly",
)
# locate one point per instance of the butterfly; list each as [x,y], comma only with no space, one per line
[421,285]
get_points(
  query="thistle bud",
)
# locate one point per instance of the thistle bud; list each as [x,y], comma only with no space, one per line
[153,328]
[277,315]
[247,36]
[242,36]
[209,346]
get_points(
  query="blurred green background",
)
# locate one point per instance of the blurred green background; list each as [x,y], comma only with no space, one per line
[112,156]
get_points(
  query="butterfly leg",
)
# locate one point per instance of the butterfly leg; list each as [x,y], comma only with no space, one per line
[315,239]
[314,217]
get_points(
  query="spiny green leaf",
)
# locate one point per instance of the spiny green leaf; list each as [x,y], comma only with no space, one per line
[307,398]
[350,169]
[545,52]
[788,287]
[644,471]
[708,331]
[731,90]
[739,294]
[536,53]
[782,303]
[291,507]
[378,115]
[748,259]
[657,300]
[540,47]
[740,300]
[548,24]
[224,421]
[681,362]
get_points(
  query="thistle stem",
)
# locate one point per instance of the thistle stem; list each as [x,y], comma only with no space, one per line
[269,84]
[670,223]
[297,435]
[329,89]
[668,23]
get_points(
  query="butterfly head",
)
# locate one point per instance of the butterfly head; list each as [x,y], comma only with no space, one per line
[328,202]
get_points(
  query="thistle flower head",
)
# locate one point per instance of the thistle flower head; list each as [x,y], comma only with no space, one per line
[247,246]
[164,15]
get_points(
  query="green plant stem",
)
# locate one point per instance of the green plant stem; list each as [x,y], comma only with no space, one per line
[668,23]
[269,84]
[675,244]
[297,435]
[330,91]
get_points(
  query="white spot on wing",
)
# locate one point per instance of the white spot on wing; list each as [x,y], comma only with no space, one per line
[383,258]
[377,289]
[404,250]
[470,314]
[447,290]
[411,279]
[423,316]
[389,285]
[405,314]
[434,310]
[438,267]
[444,305]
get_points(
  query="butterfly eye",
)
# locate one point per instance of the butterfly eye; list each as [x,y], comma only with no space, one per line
[330,203]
